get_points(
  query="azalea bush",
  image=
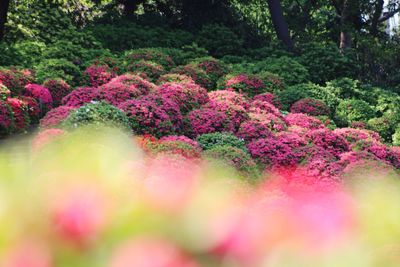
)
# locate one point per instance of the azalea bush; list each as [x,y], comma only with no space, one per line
[249,85]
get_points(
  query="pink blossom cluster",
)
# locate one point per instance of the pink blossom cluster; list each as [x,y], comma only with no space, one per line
[133,82]
[41,94]
[270,98]
[249,85]
[16,80]
[21,114]
[80,97]
[229,96]
[58,89]
[303,120]
[206,120]
[329,141]
[312,107]
[6,118]
[98,75]
[55,116]
[236,114]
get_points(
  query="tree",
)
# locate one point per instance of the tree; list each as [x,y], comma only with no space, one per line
[4,5]
[280,24]
[130,6]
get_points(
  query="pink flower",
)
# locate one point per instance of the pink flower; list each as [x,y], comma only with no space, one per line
[202,121]
[228,96]
[311,107]
[303,120]
[55,116]
[99,74]
[41,94]
[270,98]
[80,97]
[20,110]
[247,84]
[58,89]
[328,140]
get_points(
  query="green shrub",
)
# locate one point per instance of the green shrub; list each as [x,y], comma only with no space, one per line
[28,53]
[58,69]
[352,110]
[208,141]
[273,82]
[326,62]
[345,88]
[288,68]
[384,126]
[233,157]
[186,53]
[149,54]
[294,93]
[396,136]
[98,114]
[219,40]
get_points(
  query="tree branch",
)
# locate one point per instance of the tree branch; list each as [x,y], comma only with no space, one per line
[389,15]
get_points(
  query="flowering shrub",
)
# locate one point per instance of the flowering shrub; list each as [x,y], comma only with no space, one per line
[98,114]
[270,98]
[133,81]
[188,96]
[210,140]
[263,107]
[80,97]
[304,121]
[247,84]
[174,78]
[20,112]
[312,107]
[253,129]
[329,141]
[33,107]
[205,120]
[15,80]
[149,54]
[213,67]
[234,157]
[235,113]
[198,75]
[354,135]
[358,125]
[58,89]
[4,92]
[227,96]
[352,110]
[55,116]
[41,94]
[272,122]
[283,150]
[152,115]
[181,138]
[151,69]
[97,75]
[273,82]
[6,118]
[116,93]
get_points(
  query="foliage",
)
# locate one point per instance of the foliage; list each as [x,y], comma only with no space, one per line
[58,69]
[352,110]
[211,140]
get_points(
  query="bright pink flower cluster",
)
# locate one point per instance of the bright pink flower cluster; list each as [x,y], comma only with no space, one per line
[133,82]
[117,93]
[329,141]
[55,116]
[229,96]
[235,113]
[205,120]
[80,97]
[58,89]
[249,85]
[33,107]
[153,115]
[312,107]
[6,118]
[273,122]
[270,98]
[287,149]
[41,94]
[303,120]
[188,96]
[253,129]
[15,79]
[263,107]
[98,75]
[21,115]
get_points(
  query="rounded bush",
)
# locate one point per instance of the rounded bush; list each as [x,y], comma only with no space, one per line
[15,79]
[269,98]
[352,110]
[151,69]
[247,84]
[228,96]
[97,75]
[175,147]
[233,157]
[174,78]
[253,129]
[152,115]
[273,122]
[58,69]
[396,137]
[55,116]
[235,113]
[132,81]
[294,93]
[329,141]
[383,126]
[80,97]
[273,82]
[97,114]
[205,120]
[304,121]
[149,54]
[34,110]
[214,68]
[58,89]
[21,119]
[117,93]
[198,75]
[181,138]
[210,140]
[312,107]
[188,96]
[41,94]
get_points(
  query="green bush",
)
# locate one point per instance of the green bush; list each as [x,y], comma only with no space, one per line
[98,114]
[219,40]
[294,93]
[326,62]
[384,126]
[233,157]
[208,141]
[273,82]
[352,110]
[28,53]
[396,136]
[58,69]
[156,55]
[185,54]
[288,68]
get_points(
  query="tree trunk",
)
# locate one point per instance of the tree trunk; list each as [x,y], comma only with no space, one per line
[349,11]
[280,24]
[4,4]
[377,15]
